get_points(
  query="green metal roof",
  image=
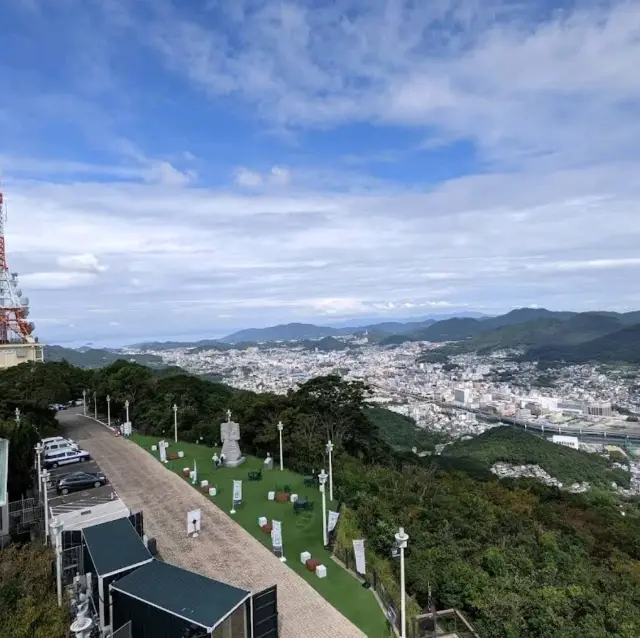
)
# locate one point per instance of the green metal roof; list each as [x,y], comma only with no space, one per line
[4,470]
[187,595]
[115,546]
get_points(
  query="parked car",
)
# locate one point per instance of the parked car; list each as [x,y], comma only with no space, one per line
[52,439]
[64,457]
[63,444]
[76,481]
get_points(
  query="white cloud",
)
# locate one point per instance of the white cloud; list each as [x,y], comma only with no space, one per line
[516,83]
[82,262]
[56,280]
[544,238]
[276,176]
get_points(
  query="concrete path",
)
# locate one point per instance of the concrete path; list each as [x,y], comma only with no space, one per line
[224,550]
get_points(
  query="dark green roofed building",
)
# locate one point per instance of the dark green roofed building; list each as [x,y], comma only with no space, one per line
[111,550]
[164,601]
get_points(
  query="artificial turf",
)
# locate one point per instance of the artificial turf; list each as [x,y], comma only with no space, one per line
[300,532]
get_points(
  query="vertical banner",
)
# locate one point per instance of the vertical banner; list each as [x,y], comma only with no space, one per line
[276,534]
[237,491]
[195,472]
[358,550]
[163,451]
[333,521]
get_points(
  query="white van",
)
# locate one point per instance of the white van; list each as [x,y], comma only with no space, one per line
[51,439]
[53,460]
[61,444]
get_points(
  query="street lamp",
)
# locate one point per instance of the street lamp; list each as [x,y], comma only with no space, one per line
[280,426]
[401,542]
[95,406]
[109,410]
[84,403]
[56,528]
[330,450]
[39,448]
[44,477]
[323,479]
[175,422]
[18,416]
[126,407]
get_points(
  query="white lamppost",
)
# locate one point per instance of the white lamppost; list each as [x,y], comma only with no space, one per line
[84,402]
[39,448]
[18,416]
[401,542]
[175,422]
[330,451]
[95,406]
[109,410]
[280,426]
[126,407]
[323,479]
[56,528]
[44,477]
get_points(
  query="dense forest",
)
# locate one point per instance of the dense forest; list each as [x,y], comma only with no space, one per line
[520,559]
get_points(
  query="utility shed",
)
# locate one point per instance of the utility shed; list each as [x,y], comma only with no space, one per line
[164,601]
[112,550]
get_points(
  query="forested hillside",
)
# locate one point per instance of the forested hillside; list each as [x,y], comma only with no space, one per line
[513,445]
[521,560]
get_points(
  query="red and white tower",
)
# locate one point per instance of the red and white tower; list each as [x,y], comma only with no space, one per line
[17,343]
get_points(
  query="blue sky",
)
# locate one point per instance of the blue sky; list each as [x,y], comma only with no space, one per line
[189,168]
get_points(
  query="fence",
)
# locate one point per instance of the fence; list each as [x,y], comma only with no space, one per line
[123,632]
[72,563]
[448,623]
[26,516]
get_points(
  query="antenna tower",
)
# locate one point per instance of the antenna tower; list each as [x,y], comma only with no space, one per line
[17,343]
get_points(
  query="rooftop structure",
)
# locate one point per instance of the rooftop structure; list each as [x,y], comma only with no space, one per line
[178,596]
[115,546]
[17,342]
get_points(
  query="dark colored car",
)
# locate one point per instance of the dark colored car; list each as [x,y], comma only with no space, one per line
[80,481]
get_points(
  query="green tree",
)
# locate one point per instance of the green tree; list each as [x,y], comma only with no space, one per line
[28,602]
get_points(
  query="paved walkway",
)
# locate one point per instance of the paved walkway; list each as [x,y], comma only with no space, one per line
[224,550]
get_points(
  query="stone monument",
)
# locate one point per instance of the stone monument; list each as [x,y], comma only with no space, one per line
[230,435]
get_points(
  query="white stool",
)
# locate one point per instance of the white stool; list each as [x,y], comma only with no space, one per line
[271,496]
[212,491]
[154,448]
[293,498]
[180,455]
[262,521]
[304,557]
[321,571]
[204,483]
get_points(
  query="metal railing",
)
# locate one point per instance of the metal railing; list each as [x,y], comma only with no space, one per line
[123,632]
[448,623]
[26,515]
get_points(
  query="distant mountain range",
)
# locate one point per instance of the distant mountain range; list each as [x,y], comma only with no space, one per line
[96,357]
[545,335]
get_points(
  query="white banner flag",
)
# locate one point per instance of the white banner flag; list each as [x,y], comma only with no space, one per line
[333,521]
[358,550]
[276,534]
[237,491]
[163,452]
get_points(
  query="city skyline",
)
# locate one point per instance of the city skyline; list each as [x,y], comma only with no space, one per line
[173,172]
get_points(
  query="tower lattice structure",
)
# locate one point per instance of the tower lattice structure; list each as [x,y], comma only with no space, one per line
[14,308]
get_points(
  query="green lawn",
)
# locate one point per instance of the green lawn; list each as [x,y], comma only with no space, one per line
[300,532]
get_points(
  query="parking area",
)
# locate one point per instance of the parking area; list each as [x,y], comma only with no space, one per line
[81,499]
